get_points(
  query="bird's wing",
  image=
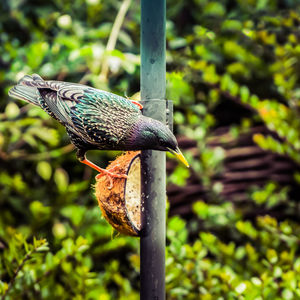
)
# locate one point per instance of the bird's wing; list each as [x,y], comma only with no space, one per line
[57,97]
[104,117]
[69,94]
[90,113]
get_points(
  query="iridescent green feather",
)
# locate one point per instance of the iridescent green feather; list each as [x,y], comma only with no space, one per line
[105,118]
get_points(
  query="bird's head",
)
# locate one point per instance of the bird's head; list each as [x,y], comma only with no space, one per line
[150,134]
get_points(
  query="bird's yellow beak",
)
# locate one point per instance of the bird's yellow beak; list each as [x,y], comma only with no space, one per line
[180,156]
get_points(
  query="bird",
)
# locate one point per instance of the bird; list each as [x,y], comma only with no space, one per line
[96,119]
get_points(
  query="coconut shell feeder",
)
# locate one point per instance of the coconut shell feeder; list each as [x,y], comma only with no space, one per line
[121,204]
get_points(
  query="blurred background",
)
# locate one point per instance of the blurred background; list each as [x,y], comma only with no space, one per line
[233,73]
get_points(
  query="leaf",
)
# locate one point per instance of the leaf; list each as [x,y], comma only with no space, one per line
[214,9]
[61,179]
[44,170]
[12,110]
[244,92]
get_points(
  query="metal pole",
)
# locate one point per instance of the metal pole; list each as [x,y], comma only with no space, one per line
[153,163]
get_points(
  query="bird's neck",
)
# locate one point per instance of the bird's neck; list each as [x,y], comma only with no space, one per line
[137,137]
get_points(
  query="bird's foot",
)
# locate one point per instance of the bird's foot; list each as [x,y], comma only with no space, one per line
[110,175]
[108,172]
[138,104]
[135,103]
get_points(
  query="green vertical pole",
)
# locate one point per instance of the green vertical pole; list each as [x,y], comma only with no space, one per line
[153,170]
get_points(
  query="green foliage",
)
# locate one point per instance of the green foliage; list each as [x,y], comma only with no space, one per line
[44,191]
[251,58]
[65,270]
[261,262]
[54,243]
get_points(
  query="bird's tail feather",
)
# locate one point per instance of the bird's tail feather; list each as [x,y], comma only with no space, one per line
[26,90]
[30,80]
[25,93]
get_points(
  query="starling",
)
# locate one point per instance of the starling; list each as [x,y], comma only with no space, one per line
[96,119]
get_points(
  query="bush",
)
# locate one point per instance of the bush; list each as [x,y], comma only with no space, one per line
[233,64]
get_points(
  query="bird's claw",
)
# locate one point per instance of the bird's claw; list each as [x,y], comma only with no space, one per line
[110,175]
[138,104]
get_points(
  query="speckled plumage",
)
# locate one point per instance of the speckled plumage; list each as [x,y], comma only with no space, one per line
[95,119]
